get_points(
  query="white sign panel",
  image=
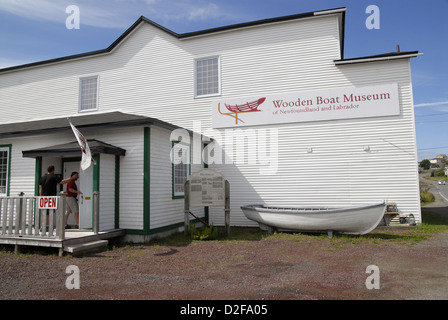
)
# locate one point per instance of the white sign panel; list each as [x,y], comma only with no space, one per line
[47,202]
[207,189]
[319,105]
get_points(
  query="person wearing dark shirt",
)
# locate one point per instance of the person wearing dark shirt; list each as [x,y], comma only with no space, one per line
[48,184]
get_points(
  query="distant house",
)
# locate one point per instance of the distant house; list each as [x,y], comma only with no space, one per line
[436,161]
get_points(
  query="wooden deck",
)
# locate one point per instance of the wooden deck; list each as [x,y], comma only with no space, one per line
[76,241]
[22,223]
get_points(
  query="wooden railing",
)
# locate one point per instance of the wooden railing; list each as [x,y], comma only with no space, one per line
[20,217]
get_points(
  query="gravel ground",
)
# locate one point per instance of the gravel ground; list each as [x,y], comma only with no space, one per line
[274,267]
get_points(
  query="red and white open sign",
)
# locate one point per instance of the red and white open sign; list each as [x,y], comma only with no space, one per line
[48,202]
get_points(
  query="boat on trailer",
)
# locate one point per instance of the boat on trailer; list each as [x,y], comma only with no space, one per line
[346,220]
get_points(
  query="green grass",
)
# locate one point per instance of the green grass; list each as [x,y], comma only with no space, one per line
[432,224]
[428,177]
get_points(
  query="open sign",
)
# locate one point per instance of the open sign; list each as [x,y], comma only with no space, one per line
[49,202]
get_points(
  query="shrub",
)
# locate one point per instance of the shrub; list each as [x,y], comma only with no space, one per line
[206,233]
[426,196]
[439,173]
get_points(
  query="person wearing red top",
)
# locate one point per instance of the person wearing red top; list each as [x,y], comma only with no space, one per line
[72,201]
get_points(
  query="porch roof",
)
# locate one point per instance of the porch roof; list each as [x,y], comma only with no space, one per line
[72,149]
[97,120]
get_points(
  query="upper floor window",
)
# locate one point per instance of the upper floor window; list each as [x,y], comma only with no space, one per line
[207,77]
[88,93]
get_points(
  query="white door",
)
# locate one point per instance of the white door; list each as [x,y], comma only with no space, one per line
[85,200]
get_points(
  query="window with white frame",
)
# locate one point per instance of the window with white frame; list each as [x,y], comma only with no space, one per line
[207,77]
[88,93]
[4,169]
[181,167]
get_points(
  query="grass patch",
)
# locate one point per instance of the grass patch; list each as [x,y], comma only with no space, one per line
[432,224]
[428,177]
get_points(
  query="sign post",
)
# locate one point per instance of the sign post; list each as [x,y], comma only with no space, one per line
[207,188]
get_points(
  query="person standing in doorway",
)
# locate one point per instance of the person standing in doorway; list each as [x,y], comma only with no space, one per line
[48,184]
[72,199]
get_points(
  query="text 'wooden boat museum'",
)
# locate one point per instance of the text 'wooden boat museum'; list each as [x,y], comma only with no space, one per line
[271,106]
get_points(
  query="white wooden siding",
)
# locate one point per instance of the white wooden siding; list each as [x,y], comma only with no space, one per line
[152,73]
[164,210]
[339,172]
[23,169]
[131,172]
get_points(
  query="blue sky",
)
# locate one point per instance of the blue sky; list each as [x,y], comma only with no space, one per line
[35,30]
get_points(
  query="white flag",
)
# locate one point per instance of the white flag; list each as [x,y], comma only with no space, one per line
[86,155]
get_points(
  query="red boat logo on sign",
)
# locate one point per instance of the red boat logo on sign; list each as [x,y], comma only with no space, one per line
[48,202]
[243,108]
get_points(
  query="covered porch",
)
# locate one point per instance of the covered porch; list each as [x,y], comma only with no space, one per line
[66,158]
[23,224]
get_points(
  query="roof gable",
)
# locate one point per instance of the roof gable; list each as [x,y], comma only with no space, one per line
[188,35]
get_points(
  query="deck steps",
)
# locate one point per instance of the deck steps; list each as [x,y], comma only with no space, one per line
[87,247]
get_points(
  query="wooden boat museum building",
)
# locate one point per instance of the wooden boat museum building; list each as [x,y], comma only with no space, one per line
[273,105]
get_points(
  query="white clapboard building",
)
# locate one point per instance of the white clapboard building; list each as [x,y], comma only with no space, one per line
[272,104]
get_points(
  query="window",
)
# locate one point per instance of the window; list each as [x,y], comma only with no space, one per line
[88,93]
[181,168]
[4,169]
[207,77]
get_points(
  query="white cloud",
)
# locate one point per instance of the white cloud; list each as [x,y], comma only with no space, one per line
[100,13]
[35,9]
[431,104]
[116,13]
[204,13]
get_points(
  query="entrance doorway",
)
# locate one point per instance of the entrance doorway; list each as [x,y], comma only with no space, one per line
[85,200]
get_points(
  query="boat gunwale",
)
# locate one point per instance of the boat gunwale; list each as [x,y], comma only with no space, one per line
[306,210]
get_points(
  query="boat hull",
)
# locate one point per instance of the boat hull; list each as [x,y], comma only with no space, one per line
[350,220]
